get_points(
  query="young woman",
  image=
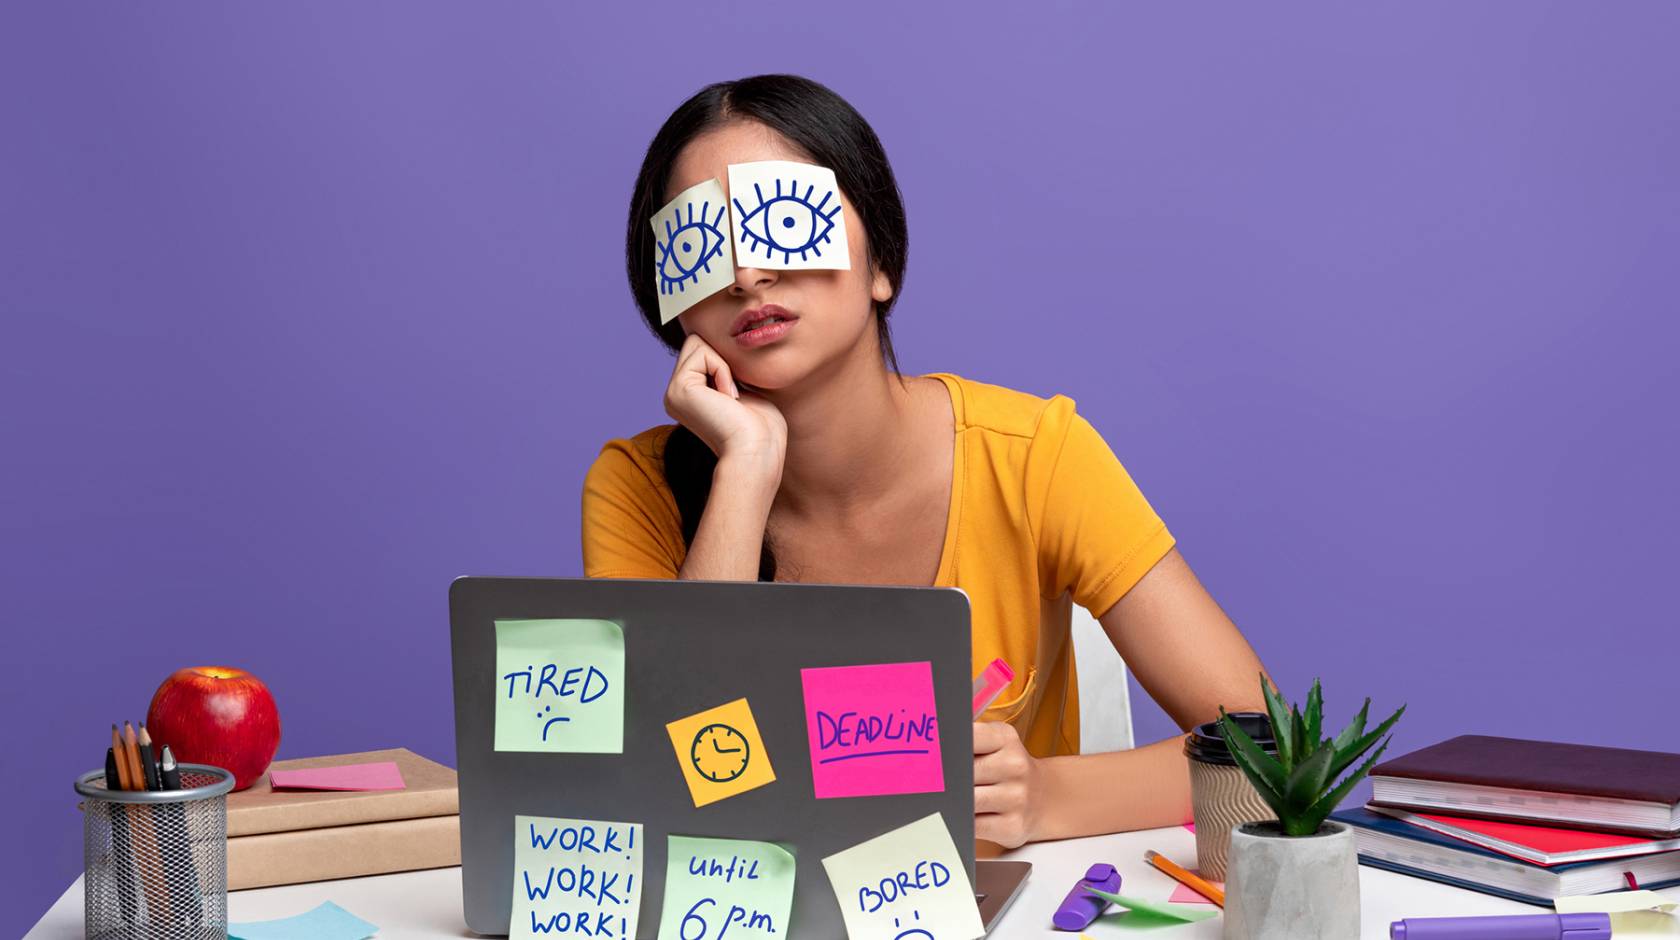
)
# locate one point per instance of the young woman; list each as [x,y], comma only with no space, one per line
[801,454]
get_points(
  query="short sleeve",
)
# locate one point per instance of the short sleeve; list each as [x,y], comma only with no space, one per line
[1095,534]
[631,527]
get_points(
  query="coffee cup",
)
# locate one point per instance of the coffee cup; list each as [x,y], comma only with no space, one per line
[1221,796]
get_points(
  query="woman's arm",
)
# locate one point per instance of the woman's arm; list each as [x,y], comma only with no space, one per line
[749,437]
[1189,657]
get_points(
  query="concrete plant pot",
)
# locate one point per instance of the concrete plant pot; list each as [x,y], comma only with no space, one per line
[1282,887]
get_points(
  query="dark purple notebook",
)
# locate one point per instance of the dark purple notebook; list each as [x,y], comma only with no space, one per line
[1581,769]
[1645,785]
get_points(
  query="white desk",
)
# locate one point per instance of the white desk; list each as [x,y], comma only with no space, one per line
[427,904]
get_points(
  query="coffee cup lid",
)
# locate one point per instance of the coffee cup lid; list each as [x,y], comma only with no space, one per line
[1207,744]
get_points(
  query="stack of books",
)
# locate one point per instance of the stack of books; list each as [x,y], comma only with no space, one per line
[278,837]
[1527,820]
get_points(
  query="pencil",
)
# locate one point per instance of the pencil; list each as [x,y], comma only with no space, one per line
[122,845]
[136,776]
[1185,878]
[148,760]
[122,758]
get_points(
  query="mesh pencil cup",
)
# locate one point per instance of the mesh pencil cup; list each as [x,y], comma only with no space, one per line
[156,859]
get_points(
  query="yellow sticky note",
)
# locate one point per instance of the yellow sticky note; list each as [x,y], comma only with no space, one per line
[720,752]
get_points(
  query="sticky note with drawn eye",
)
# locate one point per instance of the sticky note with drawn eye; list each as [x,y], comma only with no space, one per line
[559,686]
[787,215]
[693,258]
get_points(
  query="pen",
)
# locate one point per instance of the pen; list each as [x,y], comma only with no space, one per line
[1507,927]
[170,773]
[991,681]
[1186,878]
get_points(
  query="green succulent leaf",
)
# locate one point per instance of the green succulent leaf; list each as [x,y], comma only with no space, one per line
[1347,755]
[1328,802]
[1263,770]
[1278,710]
[1354,729]
[1315,716]
[1306,783]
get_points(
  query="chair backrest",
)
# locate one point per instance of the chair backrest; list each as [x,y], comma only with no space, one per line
[1105,704]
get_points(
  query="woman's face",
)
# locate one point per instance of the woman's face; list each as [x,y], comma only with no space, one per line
[828,313]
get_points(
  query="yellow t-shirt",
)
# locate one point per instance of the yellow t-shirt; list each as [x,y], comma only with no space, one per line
[1042,513]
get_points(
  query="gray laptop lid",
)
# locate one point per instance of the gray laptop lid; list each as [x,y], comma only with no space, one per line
[690,646]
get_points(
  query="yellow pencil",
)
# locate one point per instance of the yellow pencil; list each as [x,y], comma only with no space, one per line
[1193,882]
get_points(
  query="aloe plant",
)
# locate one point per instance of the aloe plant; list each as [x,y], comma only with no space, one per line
[1299,783]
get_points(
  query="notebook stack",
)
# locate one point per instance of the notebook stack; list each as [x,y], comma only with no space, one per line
[288,836]
[1527,820]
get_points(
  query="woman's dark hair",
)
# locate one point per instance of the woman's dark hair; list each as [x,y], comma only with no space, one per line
[832,134]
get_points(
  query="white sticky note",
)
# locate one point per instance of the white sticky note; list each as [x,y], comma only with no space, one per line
[1632,913]
[693,257]
[575,878]
[787,216]
[909,880]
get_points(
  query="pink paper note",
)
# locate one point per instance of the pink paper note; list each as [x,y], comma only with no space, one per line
[1184,894]
[383,775]
[873,730]
[1190,826]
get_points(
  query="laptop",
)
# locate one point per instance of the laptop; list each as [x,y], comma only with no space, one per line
[689,646]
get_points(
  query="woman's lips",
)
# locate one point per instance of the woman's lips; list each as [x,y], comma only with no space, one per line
[762,325]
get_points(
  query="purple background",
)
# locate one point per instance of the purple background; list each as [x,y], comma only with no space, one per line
[311,307]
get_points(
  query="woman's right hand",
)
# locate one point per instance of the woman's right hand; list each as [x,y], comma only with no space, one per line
[743,429]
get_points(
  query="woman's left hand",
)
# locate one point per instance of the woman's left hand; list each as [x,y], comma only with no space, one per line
[1008,785]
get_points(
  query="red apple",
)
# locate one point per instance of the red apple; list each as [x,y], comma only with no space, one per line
[217,715]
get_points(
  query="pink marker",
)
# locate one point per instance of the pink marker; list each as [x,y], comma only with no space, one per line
[990,683]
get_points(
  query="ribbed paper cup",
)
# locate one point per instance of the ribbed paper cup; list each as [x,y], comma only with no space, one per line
[1220,795]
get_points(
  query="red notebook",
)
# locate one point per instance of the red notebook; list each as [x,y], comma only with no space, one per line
[1575,785]
[1542,845]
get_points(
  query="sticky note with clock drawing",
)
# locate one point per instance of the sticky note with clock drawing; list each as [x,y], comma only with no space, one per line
[720,752]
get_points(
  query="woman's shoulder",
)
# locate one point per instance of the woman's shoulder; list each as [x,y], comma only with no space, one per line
[640,456]
[1003,410]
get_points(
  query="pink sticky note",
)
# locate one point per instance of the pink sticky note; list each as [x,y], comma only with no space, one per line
[383,775]
[873,730]
[1190,826]
[1183,894]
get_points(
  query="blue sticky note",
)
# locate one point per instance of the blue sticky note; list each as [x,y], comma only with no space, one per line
[327,922]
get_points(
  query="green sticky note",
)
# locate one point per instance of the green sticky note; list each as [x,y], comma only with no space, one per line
[715,887]
[1144,913]
[575,877]
[560,686]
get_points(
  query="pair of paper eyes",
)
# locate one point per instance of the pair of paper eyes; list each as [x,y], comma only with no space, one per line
[788,222]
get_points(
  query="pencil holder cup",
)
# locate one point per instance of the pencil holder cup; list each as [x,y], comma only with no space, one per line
[156,859]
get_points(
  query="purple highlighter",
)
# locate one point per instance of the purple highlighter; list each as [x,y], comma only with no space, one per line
[1512,927]
[1081,907]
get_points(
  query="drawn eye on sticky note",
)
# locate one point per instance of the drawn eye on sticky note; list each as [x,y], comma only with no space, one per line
[873,730]
[560,686]
[787,215]
[720,752]
[693,256]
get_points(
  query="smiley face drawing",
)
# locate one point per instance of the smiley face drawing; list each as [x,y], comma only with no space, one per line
[912,932]
[720,753]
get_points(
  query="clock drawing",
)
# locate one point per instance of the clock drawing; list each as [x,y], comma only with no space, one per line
[719,753]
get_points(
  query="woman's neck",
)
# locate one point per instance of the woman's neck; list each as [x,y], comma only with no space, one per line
[849,433]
